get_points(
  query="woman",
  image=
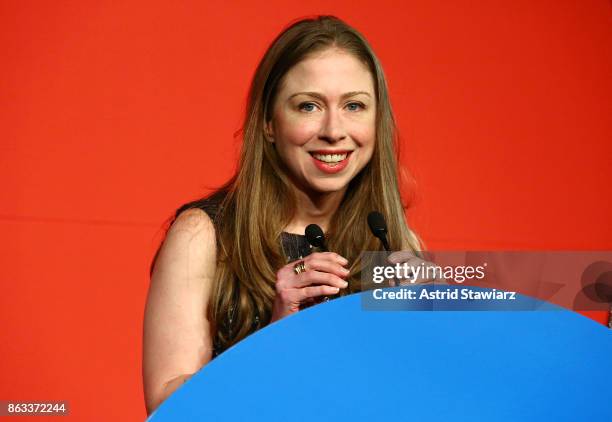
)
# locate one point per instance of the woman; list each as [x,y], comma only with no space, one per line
[318,147]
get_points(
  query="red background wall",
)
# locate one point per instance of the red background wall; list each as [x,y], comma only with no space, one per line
[115,113]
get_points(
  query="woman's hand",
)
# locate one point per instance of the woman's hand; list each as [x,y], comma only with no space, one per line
[324,276]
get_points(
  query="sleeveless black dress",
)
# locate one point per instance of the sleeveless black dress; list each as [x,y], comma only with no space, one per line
[295,246]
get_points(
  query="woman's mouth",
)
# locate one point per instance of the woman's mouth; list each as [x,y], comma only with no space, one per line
[331,161]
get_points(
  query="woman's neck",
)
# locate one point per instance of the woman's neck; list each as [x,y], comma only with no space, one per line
[314,208]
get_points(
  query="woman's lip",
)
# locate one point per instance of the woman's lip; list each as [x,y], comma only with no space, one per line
[327,168]
[330,151]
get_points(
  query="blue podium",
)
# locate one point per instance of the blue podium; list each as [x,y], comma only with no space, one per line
[339,362]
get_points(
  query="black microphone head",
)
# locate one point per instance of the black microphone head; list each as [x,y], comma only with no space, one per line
[377,224]
[315,236]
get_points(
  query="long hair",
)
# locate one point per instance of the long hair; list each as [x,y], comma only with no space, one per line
[251,216]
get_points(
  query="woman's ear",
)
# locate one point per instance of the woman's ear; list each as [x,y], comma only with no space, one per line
[269,131]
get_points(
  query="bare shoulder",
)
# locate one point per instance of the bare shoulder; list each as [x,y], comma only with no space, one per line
[193,221]
[191,236]
[176,340]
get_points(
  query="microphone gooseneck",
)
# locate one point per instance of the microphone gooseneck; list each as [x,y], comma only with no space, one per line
[315,236]
[378,226]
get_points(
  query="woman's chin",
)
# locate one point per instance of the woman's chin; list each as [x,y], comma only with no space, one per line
[328,186]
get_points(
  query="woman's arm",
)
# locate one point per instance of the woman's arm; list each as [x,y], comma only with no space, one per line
[176,337]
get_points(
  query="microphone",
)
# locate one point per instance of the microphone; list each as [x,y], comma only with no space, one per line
[378,227]
[315,236]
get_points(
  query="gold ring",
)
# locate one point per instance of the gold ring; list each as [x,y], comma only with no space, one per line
[300,267]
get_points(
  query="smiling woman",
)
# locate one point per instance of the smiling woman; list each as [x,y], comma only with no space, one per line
[324,121]
[318,148]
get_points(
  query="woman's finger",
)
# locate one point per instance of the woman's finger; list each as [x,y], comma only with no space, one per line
[326,265]
[317,277]
[314,291]
[330,256]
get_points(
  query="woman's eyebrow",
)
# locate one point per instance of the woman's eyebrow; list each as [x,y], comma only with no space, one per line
[322,97]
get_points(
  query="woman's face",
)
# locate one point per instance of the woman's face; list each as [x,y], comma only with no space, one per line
[324,120]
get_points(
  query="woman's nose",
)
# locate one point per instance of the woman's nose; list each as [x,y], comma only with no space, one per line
[332,127]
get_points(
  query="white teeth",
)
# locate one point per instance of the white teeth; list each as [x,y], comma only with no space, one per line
[330,158]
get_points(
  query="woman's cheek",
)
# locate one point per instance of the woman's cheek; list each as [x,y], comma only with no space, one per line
[365,137]
[297,130]
[303,132]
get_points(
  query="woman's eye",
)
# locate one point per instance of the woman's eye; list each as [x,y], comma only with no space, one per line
[355,106]
[307,107]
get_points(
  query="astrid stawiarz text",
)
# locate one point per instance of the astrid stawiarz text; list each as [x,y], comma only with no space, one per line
[448,294]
